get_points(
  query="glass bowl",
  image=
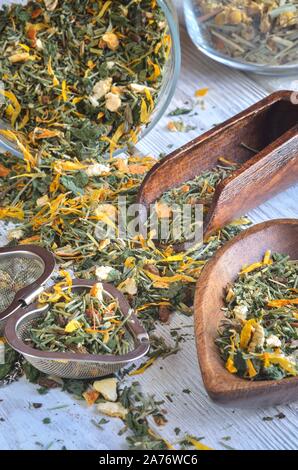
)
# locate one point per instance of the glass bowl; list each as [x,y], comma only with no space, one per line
[170,78]
[172,70]
[205,40]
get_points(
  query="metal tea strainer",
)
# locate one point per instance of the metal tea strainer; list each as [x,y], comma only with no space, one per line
[23,272]
[19,317]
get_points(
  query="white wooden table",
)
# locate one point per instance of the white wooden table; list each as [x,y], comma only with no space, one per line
[71,424]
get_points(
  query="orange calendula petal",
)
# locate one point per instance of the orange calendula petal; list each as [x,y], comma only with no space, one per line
[3,171]
[162,281]
[156,71]
[230,366]
[246,333]
[201,92]
[51,73]
[282,302]
[90,396]
[16,107]
[11,213]
[67,277]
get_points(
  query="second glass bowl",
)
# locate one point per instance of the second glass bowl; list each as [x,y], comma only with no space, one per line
[207,33]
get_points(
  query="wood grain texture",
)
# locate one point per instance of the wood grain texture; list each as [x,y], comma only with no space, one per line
[71,424]
[250,246]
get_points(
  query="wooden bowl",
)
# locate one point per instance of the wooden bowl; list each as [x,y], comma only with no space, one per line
[230,390]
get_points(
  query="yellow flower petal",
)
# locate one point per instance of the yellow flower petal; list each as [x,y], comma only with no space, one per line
[267,257]
[250,368]
[246,333]
[145,366]
[104,9]
[72,326]
[201,92]
[197,444]
[64,91]
[282,302]
[16,105]
[251,267]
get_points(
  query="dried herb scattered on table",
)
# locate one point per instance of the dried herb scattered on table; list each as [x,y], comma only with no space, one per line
[261,32]
[88,323]
[80,76]
[258,337]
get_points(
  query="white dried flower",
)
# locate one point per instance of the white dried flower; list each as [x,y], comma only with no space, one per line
[42,201]
[39,45]
[113,102]
[102,272]
[258,338]
[129,286]
[15,234]
[107,388]
[240,312]
[51,5]
[100,89]
[97,169]
[273,341]
[137,88]
[112,409]
[106,209]
[162,24]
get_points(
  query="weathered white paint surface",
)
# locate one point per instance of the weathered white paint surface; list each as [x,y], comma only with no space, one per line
[71,425]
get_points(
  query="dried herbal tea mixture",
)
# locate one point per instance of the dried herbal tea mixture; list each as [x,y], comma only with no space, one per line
[80,76]
[199,190]
[57,206]
[88,323]
[258,337]
[261,32]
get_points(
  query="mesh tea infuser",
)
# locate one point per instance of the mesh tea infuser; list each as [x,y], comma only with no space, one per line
[23,272]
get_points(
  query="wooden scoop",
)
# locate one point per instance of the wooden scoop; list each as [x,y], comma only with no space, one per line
[270,127]
[279,236]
